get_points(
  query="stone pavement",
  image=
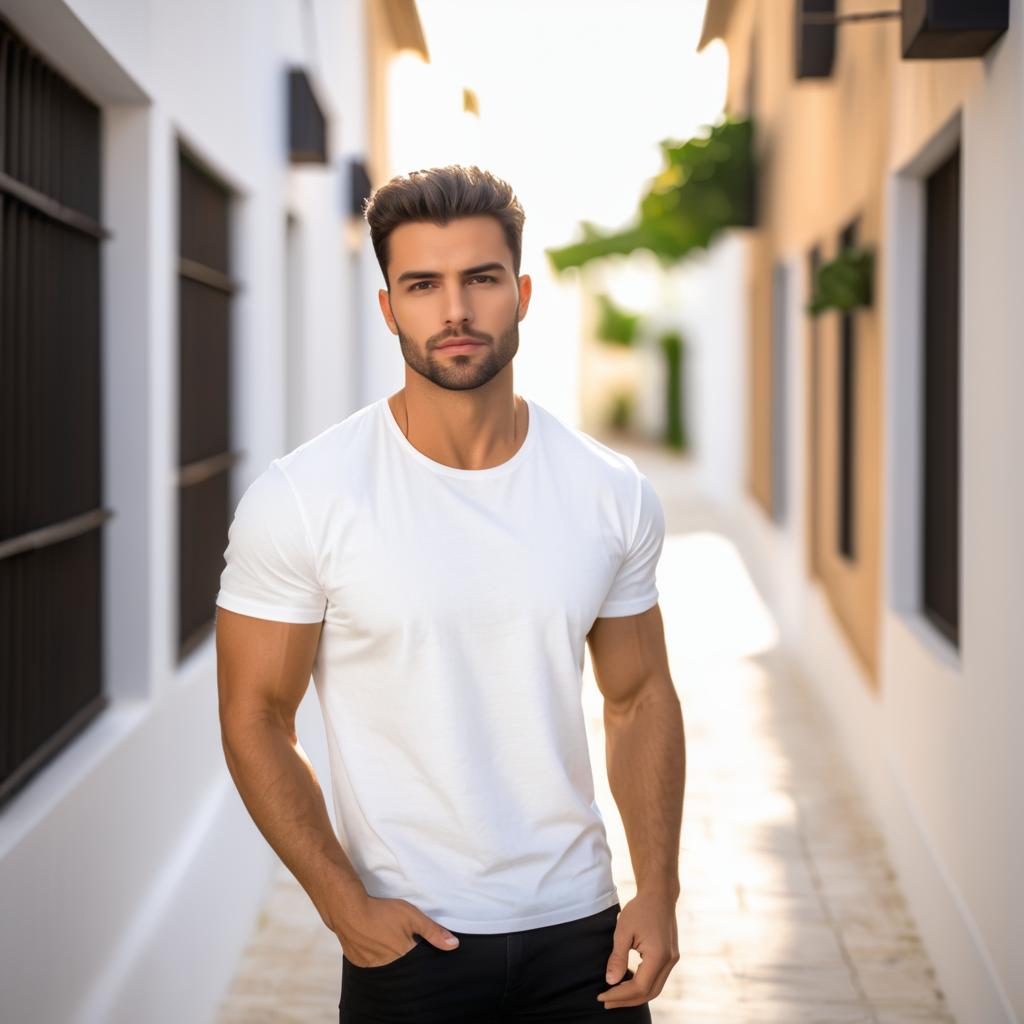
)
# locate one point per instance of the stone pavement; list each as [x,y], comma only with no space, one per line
[789,912]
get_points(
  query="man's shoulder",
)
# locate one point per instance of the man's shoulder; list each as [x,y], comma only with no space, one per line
[576,449]
[331,451]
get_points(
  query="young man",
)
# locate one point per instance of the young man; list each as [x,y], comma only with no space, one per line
[438,561]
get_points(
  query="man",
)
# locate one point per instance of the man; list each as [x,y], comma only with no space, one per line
[437,561]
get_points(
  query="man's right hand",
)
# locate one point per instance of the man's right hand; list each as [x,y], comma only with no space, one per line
[378,931]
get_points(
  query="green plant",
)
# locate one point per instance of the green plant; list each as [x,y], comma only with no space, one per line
[621,412]
[844,283]
[675,433]
[706,185]
[616,326]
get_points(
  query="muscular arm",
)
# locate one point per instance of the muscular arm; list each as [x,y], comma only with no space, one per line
[263,669]
[645,743]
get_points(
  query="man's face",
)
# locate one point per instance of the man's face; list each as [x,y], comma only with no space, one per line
[451,282]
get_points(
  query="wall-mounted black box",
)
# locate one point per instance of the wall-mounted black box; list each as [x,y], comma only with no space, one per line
[307,127]
[940,29]
[814,45]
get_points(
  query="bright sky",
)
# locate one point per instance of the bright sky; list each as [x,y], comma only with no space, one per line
[574,97]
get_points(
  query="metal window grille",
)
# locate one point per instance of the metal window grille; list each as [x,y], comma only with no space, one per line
[51,514]
[940,508]
[205,457]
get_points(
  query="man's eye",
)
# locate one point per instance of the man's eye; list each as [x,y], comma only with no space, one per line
[482,277]
[416,286]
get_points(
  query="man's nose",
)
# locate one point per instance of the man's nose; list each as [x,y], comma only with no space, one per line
[457,307]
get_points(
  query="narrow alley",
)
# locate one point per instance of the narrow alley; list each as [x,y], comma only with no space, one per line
[789,911]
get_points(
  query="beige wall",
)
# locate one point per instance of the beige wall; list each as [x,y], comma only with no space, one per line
[822,151]
[391,26]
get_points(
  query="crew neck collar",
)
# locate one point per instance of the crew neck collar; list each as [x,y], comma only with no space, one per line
[454,471]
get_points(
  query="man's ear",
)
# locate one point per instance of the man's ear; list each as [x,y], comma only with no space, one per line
[525,292]
[384,298]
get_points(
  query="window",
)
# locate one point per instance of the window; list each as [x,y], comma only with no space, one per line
[814,423]
[205,457]
[940,508]
[51,514]
[847,420]
[780,397]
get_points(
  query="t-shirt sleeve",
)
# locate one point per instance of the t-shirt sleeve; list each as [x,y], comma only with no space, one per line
[270,570]
[633,590]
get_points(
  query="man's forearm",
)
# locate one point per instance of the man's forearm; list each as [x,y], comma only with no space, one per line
[280,790]
[646,759]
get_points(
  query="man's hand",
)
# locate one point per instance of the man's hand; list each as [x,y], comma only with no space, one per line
[377,931]
[647,923]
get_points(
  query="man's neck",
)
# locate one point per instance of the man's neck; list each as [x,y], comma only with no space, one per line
[461,429]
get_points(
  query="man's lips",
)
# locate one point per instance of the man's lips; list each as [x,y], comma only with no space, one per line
[460,344]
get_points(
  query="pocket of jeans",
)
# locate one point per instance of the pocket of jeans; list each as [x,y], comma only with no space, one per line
[407,955]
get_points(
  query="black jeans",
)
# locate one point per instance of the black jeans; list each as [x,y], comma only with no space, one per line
[551,974]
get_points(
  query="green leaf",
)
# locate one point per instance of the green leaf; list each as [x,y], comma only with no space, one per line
[706,185]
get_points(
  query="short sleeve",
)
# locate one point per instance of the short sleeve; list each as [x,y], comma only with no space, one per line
[270,570]
[633,590]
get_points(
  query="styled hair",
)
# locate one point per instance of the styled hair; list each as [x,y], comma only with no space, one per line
[439,195]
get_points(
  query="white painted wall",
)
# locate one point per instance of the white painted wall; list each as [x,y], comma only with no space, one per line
[130,872]
[709,290]
[950,717]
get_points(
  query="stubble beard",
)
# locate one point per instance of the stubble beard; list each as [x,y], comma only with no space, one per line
[463,372]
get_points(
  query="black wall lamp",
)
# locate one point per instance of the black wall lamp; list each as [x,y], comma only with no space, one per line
[307,126]
[931,30]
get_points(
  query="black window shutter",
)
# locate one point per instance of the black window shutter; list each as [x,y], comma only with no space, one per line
[51,513]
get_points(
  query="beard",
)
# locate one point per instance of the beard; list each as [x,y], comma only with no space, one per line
[462,372]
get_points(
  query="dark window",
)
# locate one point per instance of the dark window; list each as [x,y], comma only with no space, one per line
[814,373]
[847,415]
[940,512]
[51,513]
[204,406]
[780,399]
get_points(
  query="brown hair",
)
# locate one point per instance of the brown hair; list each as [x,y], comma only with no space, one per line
[439,195]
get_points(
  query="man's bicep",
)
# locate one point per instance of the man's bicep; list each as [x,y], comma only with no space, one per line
[629,656]
[263,666]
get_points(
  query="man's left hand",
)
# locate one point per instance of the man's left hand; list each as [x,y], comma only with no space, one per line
[647,923]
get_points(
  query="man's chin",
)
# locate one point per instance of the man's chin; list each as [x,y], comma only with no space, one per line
[460,385]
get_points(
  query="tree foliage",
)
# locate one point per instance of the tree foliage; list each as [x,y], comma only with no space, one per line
[616,325]
[706,184]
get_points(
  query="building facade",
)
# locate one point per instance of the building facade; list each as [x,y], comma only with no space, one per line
[187,290]
[871,453]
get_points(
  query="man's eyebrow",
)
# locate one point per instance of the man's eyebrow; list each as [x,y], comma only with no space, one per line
[431,275]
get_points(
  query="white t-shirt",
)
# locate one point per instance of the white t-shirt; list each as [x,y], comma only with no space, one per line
[455,607]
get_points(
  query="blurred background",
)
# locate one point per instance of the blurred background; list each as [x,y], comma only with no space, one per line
[774,251]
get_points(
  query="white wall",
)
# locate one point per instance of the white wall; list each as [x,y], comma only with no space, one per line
[950,717]
[130,872]
[710,289]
